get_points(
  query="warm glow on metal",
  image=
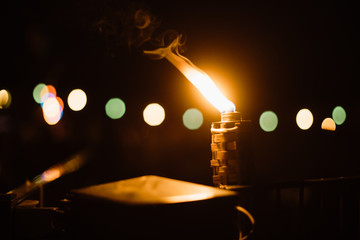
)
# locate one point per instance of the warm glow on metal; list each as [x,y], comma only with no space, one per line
[195,75]
[190,197]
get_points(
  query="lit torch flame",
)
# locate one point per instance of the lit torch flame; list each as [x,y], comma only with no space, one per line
[195,75]
[68,166]
[58,170]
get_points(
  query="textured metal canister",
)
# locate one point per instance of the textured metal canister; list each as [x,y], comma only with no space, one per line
[231,161]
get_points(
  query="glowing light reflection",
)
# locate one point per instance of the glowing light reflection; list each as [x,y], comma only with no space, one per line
[189,197]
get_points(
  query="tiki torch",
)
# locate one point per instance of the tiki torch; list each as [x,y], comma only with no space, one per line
[230,138]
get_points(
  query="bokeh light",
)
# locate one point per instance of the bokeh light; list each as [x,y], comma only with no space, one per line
[5,99]
[36,92]
[52,105]
[48,91]
[52,111]
[328,124]
[268,121]
[193,119]
[61,103]
[154,114]
[77,99]
[115,108]
[339,115]
[304,119]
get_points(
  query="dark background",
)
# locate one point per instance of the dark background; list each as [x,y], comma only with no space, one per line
[265,55]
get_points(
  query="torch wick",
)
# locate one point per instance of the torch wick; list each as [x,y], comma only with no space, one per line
[230,116]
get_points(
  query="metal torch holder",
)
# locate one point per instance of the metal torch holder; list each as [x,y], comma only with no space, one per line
[231,151]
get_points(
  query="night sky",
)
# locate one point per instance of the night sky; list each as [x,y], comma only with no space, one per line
[264,55]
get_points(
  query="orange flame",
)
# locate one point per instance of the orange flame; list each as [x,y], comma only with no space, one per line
[195,75]
[60,169]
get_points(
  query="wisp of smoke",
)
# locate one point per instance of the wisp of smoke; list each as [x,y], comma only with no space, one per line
[134,26]
[194,74]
